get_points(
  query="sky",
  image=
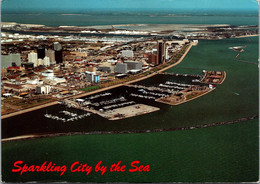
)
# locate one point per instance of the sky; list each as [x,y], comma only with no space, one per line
[84,5]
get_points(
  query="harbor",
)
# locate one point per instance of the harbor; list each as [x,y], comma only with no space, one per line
[135,99]
[189,66]
[108,107]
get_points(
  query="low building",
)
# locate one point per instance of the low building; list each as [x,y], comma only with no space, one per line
[154,51]
[54,80]
[14,87]
[105,69]
[112,61]
[91,68]
[121,68]
[48,73]
[134,65]
[92,77]
[34,81]
[27,65]
[135,71]
[127,53]
[79,54]
[43,89]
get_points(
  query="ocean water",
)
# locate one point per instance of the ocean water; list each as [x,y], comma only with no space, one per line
[90,19]
[224,153]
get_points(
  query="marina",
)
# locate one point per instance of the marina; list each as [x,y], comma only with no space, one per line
[172,89]
[69,116]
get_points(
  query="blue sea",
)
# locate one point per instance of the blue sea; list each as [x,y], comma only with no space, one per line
[91,19]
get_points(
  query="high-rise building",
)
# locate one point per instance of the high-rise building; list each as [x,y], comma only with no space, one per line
[51,54]
[9,60]
[58,52]
[46,61]
[152,59]
[41,53]
[167,53]
[16,58]
[57,46]
[58,56]
[40,62]
[33,58]
[161,52]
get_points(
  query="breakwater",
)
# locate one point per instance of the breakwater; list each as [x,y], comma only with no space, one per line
[133,131]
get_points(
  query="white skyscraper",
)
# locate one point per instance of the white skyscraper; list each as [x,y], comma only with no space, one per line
[46,61]
[167,53]
[40,62]
[33,58]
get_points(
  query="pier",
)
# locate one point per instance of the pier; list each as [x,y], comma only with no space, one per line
[213,77]
[182,75]
[152,88]
[114,109]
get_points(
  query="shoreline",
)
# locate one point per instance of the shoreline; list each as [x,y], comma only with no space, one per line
[128,25]
[27,137]
[245,36]
[28,110]
[99,90]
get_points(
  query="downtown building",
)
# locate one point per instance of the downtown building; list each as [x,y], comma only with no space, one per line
[43,89]
[152,59]
[51,54]
[92,77]
[10,60]
[161,51]
[127,53]
[58,52]
[121,68]
[41,52]
[134,65]
[33,58]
